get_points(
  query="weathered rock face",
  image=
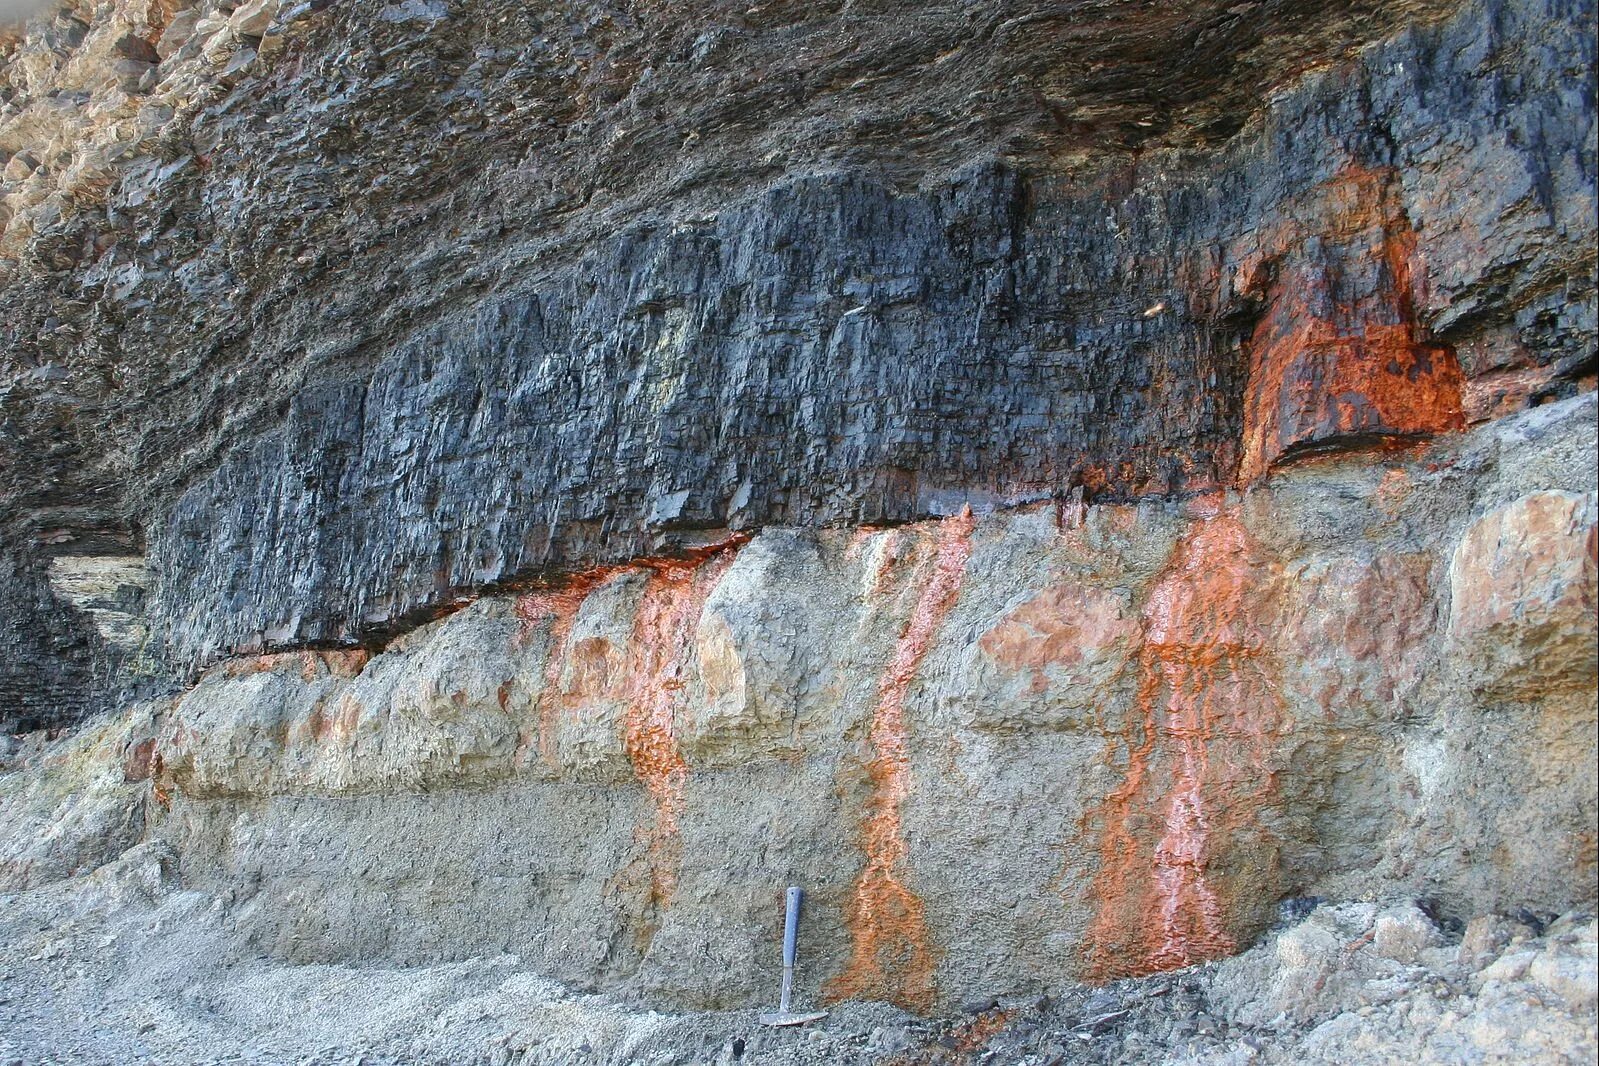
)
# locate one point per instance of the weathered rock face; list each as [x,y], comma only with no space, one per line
[1001,753]
[413,351]
[836,352]
[553,477]
[47,673]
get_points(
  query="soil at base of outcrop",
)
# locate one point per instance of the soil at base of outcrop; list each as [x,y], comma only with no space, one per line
[125,965]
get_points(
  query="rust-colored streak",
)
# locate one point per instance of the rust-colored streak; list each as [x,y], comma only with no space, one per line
[1198,769]
[1338,357]
[656,674]
[891,956]
[316,723]
[971,1035]
[140,760]
[560,607]
[310,664]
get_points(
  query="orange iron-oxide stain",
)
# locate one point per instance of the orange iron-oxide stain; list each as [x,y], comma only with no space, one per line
[971,1035]
[656,676]
[560,607]
[1339,358]
[891,957]
[140,761]
[1197,770]
[310,664]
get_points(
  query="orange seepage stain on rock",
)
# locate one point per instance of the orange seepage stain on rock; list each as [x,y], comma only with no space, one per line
[309,664]
[1338,357]
[1060,627]
[972,1034]
[659,653]
[891,956]
[648,676]
[141,760]
[1206,712]
[560,607]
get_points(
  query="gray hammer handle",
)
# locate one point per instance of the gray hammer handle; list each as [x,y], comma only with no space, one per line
[791,926]
[790,942]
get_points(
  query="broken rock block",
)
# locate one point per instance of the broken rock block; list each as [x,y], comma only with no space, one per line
[1522,584]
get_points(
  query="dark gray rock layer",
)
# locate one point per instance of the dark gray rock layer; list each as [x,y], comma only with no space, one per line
[833,352]
[408,313]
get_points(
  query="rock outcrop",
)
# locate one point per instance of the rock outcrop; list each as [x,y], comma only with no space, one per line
[1049,744]
[1059,481]
[331,370]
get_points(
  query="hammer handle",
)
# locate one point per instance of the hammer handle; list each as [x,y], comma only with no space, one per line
[791,926]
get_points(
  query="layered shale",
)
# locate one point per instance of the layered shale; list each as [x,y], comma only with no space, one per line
[1060,481]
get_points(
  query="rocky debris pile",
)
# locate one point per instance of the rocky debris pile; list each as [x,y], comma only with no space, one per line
[125,965]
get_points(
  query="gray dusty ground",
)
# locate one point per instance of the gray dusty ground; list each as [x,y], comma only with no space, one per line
[124,965]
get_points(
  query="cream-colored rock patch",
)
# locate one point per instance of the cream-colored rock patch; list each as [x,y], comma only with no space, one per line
[1523,583]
